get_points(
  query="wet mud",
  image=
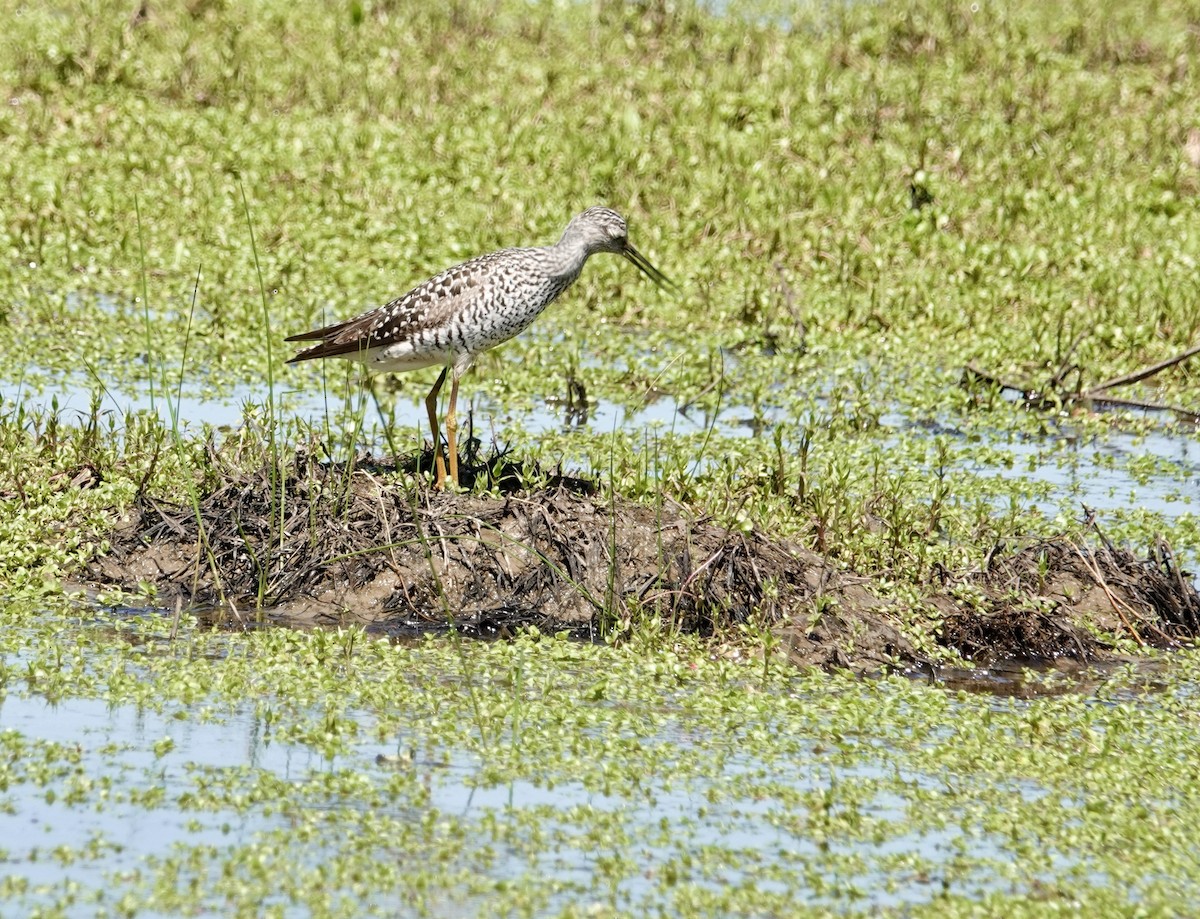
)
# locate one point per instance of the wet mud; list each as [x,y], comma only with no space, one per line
[315,544]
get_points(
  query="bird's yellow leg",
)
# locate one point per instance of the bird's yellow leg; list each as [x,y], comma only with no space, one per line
[452,429]
[431,406]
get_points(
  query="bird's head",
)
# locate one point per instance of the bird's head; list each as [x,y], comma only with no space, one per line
[601,229]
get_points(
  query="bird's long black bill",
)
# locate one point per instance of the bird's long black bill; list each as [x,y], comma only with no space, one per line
[644,266]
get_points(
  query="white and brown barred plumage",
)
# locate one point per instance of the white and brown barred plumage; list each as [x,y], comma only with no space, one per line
[470,308]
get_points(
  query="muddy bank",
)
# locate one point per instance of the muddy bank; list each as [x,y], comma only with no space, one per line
[326,545]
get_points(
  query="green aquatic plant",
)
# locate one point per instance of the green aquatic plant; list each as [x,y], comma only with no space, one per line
[859,200]
[630,777]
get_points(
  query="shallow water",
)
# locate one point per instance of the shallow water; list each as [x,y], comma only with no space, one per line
[1034,679]
[116,744]
[1122,476]
[115,838]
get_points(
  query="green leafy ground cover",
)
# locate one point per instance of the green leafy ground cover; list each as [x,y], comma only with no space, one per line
[289,773]
[770,160]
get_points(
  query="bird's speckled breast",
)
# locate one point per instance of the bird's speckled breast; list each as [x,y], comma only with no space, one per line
[504,301]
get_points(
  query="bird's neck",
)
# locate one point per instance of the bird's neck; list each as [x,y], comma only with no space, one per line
[565,259]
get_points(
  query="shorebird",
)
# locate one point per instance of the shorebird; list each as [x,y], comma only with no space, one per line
[469,308]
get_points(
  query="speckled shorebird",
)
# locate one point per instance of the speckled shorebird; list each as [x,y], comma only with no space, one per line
[470,308]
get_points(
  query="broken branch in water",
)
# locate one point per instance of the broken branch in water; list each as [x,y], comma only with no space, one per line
[1053,395]
[1145,373]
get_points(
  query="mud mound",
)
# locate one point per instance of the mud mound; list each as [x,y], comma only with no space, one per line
[1057,596]
[320,544]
